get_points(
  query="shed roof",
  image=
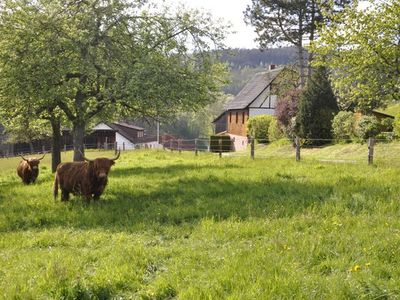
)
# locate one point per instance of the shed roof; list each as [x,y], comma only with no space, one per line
[128,131]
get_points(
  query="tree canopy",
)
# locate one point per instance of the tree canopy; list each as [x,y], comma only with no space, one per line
[282,22]
[88,58]
[362,48]
[317,107]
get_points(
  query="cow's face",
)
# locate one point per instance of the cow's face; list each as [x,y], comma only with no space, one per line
[33,163]
[102,166]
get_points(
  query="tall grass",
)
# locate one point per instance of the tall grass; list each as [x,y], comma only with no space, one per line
[174,225]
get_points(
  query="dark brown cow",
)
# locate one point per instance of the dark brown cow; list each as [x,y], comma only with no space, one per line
[28,169]
[87,178]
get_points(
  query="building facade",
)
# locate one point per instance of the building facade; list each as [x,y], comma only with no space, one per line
[258,97]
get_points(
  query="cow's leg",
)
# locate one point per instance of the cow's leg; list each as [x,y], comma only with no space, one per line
[87,198]
[97,193]
[64,195]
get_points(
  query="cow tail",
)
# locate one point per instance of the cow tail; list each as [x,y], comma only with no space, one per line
[55,188]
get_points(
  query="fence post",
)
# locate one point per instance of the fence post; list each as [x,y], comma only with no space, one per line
[195,147]
[170,145]
[123,146]
[371,143]
[115,148]
[252,148]
[297,141]
[65,147]
[220,147]
[179,145]
[43,149]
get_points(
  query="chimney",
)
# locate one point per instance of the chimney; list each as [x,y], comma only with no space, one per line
[272,67]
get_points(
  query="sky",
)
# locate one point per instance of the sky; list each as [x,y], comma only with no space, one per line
[231,11]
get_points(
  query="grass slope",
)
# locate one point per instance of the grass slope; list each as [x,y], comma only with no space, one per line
[178,226]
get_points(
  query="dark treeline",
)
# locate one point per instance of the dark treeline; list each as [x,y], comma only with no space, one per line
[239,58]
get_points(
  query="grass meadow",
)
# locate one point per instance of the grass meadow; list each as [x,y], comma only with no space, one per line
[177,226]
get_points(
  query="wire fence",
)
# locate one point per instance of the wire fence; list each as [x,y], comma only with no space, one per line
[364,151]
[368,151]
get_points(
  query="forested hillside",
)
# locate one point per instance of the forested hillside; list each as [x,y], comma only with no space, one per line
[239,58]
[244,63]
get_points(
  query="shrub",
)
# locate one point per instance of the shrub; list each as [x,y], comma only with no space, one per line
[367,126]
[258,127]
[396,126]
[343,125]
[286,111]
[274,130]
[387,124]
[385,136]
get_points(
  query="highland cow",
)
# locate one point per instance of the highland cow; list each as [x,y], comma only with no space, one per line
[87,178]
[28,169]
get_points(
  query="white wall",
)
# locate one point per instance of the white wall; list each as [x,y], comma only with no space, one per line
[121,140]
[258,112]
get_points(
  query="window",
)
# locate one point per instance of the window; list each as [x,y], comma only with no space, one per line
[237,117]
[230,117]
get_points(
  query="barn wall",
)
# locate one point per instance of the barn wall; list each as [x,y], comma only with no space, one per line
[121,139]
[237,121]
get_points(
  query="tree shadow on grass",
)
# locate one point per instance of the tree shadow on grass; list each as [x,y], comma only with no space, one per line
[174,199]
[181,201]
[170,169]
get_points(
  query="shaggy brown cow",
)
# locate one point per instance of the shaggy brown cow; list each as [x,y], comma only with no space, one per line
[87,178]
[28,169]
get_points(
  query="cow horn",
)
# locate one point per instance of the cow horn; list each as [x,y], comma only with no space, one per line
[23,158]
[42,156]
[85,158]
[115,158]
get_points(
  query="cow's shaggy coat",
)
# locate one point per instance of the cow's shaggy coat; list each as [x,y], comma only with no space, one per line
[87,178]
[28,169]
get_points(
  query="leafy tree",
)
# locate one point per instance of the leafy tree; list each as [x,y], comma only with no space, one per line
[343,125]
[279,22]
[396,125]
[286,111]
[258,127]
[362,47]
[317,107]
[274,130]
[105,58]
[367,126]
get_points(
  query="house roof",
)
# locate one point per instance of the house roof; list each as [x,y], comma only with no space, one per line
[128,131]
[253,89]
[384,115]
[127,125]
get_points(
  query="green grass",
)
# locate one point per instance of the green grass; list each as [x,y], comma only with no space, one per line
[178,226]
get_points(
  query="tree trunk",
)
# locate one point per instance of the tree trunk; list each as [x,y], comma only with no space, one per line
[301,52]
[312,34]
[31,149]
[78,135]
[301,65]
[56,144]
